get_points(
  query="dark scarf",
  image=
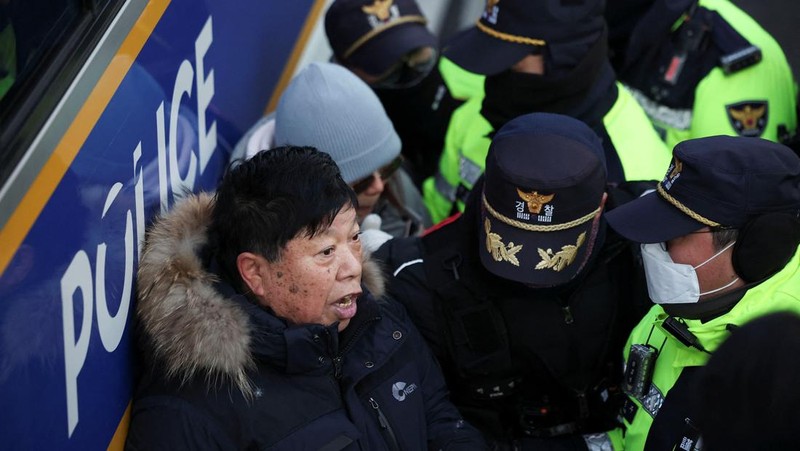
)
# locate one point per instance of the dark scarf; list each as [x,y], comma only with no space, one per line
[585,93]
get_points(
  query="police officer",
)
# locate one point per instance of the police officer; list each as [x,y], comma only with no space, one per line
[747,391]
[702,68]
[540,56]
[721,235]
[387,44]
[527,297]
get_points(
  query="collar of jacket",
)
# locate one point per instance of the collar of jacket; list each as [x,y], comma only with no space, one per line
[778,293]
[197,326]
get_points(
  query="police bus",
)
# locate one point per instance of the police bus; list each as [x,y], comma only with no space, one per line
[110,111]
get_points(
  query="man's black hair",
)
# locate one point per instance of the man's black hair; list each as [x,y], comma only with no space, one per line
[275,196]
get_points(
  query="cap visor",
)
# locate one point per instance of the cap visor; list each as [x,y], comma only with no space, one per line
[650,219]
[380,53]
[480,53]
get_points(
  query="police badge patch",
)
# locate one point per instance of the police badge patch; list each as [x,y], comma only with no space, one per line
[748,118]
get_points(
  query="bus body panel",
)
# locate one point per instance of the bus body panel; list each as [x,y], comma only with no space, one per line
[204,74]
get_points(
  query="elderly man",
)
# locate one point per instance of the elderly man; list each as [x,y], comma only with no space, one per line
[720,237]
[259,333]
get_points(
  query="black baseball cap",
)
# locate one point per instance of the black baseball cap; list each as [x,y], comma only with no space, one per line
[510,29]
[374,35]
[712,182]
[543,187]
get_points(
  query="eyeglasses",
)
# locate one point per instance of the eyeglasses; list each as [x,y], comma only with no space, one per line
[384,173]
[410,70]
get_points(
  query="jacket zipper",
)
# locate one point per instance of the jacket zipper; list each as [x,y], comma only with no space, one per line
[386,428]
[337,360]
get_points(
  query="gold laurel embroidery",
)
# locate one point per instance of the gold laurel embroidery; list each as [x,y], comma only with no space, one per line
[495,246]
[562,258]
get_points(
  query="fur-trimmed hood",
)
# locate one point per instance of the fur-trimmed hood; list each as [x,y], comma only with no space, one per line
[191,325]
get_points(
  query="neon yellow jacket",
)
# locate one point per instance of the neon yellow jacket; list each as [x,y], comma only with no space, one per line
[642,153]
[721,98]
[780,292]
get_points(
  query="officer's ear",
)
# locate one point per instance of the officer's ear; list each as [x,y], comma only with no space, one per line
[765,245]
[252,268]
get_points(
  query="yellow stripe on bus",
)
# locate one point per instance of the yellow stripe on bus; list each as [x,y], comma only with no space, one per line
[31,205]
[297,52]
[118,441]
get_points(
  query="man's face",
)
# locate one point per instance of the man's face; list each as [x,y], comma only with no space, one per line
[697,247]
[317,280]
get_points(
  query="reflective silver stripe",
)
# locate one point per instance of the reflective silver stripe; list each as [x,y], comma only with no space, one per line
[444,187]
[679,119]
[598,442]
[468,171]
[405,265]
[652,401]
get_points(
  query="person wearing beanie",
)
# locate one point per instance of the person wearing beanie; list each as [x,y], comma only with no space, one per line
[264,325]
[327,107]
[720,244]
[526,298]
[702,68]
[388,45]
[540,56]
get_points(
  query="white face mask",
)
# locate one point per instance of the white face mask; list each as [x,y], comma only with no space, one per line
[673,283]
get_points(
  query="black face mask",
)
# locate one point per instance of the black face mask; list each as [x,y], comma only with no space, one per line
[510,94]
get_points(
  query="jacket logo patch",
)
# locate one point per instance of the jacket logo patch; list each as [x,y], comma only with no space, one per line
[748,118]
[400,390]
[561,259]
[380,12]
[496,247]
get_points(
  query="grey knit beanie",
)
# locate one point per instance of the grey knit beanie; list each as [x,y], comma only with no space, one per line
[326,106]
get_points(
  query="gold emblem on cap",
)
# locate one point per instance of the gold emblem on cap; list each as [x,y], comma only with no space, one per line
[496,247]
[379,9]
[534,200]
[677,167]
[748,116]
[490,4]
[561,259]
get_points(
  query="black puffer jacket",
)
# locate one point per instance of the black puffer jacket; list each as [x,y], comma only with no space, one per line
[224,373]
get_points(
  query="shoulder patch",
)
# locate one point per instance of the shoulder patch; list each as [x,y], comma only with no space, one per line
[748,118]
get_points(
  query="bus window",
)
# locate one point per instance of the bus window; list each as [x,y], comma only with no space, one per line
[43,45]
[31,30]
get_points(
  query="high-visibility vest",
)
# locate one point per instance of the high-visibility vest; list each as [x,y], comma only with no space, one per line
[642,153]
